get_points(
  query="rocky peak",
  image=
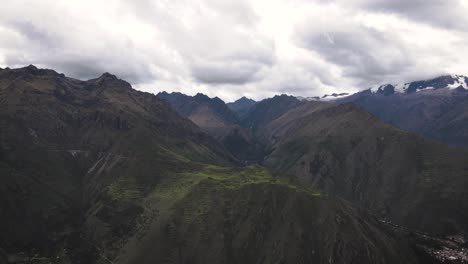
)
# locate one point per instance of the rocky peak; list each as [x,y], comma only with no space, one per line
[200,96]
[108,75]
[31,67]
[33,70]
[446,81]
[108,79]
[245,101]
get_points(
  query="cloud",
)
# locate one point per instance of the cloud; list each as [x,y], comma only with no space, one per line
[217,39]
[362,52]
[372,48]
[449,14]
[231,48]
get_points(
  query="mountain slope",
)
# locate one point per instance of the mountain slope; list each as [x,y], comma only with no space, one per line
[96,172]
[231,215]
[214,117]
[346,151]
[434,108]
[269,109]
[63,142]
[204,111]
[241,106]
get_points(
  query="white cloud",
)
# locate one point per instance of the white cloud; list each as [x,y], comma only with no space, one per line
[232,48]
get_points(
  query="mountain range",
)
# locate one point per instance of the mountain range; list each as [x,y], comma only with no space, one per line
[435,108]
[96,172]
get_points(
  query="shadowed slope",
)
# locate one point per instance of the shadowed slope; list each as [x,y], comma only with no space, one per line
[346,151]
[64,141]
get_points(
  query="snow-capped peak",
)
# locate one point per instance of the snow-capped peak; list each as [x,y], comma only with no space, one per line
[459,80]
[394,88]
[326,97]
[447,81]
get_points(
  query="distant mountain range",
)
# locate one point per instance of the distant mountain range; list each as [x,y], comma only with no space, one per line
[217,119]
[437,108]
[447,82]
[96,172]
[327,97]
[317,140]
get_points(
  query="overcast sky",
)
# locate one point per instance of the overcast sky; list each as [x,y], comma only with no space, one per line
[231,48]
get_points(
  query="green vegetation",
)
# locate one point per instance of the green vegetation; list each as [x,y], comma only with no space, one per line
[224,177]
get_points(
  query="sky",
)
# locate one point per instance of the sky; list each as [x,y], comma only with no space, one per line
[234,48]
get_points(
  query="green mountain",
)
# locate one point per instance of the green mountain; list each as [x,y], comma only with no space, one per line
[65,142]
[96,172]
[344,150]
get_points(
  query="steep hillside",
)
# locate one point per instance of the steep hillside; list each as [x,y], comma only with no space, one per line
[437,109]
[63,142]
[269,109]
[214,117]
[96,172]
[204,111]
[344,150]
[231,215]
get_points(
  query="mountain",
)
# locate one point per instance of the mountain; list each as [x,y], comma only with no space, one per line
[240,134]
[97,172]
[233,215]
[217,119]
[326,97]
[65,144]
[344,150]
[450,82]
[437,108]
[242,106]
[269,109]
[204,111]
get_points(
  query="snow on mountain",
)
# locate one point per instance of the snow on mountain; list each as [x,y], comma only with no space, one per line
[327,97]
[459,80]
[450,82]
[443,82]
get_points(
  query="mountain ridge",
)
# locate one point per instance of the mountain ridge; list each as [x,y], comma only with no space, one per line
[241,106]
[95,171]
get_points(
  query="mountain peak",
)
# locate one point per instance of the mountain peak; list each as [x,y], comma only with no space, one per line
[31,67]
[326,97]
[451,82]
[244,99]
[31,70]
[107,75]
[241,106]
[108,79]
